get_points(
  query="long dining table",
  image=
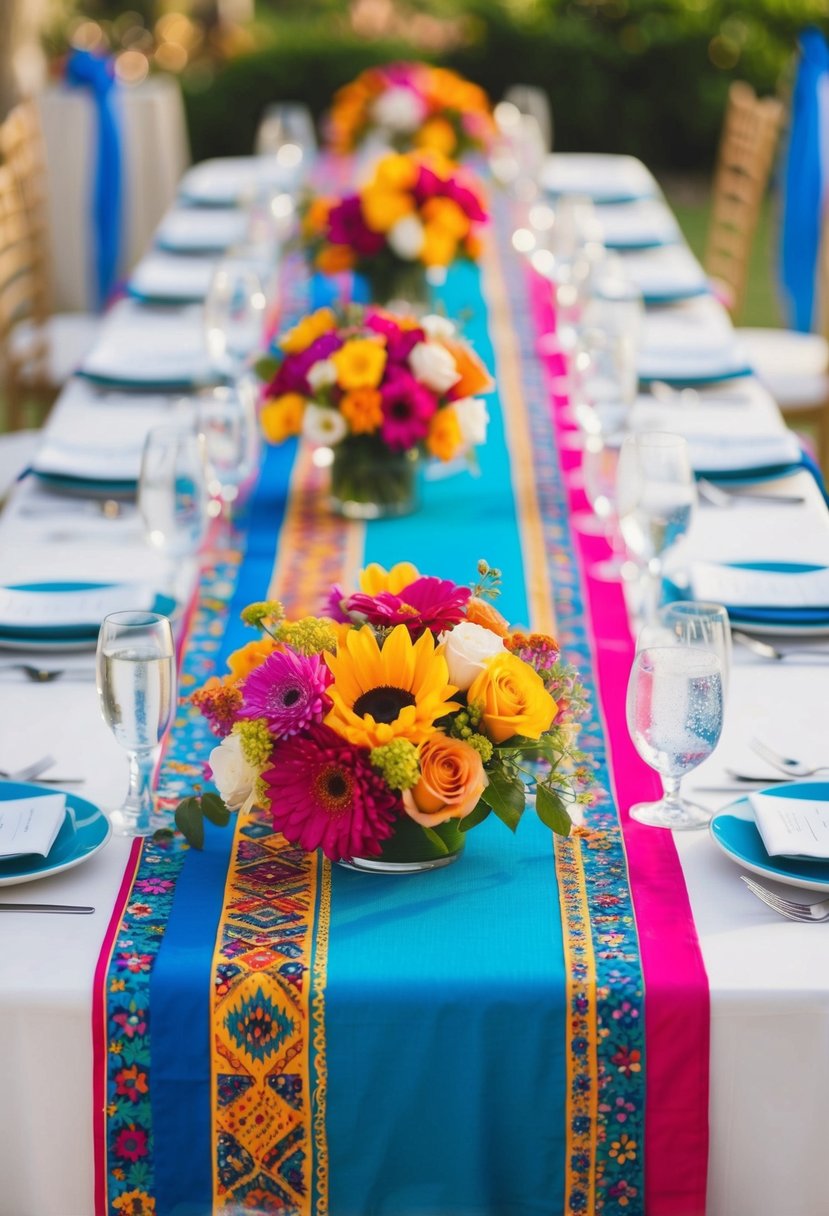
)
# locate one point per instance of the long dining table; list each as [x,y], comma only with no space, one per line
[610,1023]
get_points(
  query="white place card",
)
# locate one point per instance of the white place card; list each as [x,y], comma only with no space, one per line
[792,827]
[40,609]
[30,825]
[741,588]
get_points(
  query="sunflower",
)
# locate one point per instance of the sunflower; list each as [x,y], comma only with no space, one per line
[397,692]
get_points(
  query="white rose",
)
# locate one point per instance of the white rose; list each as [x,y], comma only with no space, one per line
[321,374]
[323,427]
[406,238]
[435,326]
[472,418]
[466,649]
[398,109]
[233,774]
[434,366]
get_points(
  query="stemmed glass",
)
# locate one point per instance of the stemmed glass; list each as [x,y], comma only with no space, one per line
[674,715]
[136,680]
[226,417]
[234,314]
[655,495]
[600,459]
[697,623]
[172,491]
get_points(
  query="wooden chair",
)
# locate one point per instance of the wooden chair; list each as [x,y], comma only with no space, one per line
[793,366]
[747,147]
[39,349]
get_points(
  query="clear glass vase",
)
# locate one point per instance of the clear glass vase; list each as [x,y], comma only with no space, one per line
[401,288]
[413,849]
[370,482]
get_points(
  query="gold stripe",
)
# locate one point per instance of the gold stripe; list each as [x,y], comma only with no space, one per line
[575,928]
[319,978]
[519,442]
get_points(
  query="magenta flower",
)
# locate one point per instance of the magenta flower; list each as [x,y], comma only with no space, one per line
[292,376]
[346,226]
[466,199]
[427,603]
[325,794]
[333,606]
[288,691]
[407,408]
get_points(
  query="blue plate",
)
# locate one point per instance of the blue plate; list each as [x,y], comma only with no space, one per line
[759,614]
[84,832]
[88,487]
[145,385]
[708,378]
[735,831]
[83,631]
[675,296]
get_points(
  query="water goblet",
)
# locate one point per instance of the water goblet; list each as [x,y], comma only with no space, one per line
[702,624]
[674,715]
[655,495]
[226,417]
[172,492]
[234,314]
[600,459]
[136,681]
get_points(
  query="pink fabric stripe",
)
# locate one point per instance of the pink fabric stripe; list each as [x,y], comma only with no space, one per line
[677,1018]
[99,1029]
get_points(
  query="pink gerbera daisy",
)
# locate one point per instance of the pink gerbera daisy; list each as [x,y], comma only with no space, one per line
[427,603]
[407,407]
[325,794]
[288,691]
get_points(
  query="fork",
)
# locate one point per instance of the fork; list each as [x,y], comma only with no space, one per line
[719,497]
[765,650]
[807,913]
[785,764]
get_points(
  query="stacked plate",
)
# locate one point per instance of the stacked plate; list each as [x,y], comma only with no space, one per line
[84,832]
[734,829]
[64,616]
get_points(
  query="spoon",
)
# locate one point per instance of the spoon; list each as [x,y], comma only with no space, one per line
[45,675]
[765,650]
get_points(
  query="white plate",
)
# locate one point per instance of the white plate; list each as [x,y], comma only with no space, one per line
[604,177]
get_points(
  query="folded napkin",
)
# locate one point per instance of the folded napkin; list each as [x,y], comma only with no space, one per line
[638,224]
[141,347]
[792,824]
[665,274]
[772,592]
[720,454]
[234,180]
[30,825]
[604,177]
[192,230]
[165,277]
[39,609]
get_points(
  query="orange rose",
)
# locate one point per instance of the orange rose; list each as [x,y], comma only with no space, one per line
[444,440]
[334,259]
[475,378]
[452,779]
[480,612]
[513,698]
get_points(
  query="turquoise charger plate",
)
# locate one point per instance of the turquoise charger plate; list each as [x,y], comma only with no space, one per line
[88,487]
[56,636]
[716,376]
[84,833]
[774,622]
[734,831]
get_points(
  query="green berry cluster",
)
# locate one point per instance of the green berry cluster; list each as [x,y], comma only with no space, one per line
[265,610]
[257,743]
[310,635]
[397,761]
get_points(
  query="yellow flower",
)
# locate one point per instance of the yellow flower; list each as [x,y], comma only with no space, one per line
[397,692]
[445,213]
[134,1203]
[382,208]
[360,363]
[395,172]
[362,410]
[248,657]
[282,416]
[513,699]
[439,246]
[445,438]
[307,331]
[439,134]
[375,578]
[315,220]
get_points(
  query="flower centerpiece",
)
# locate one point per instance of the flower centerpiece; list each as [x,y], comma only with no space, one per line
[386,729]
[412,105]
[415,213]
[379,390]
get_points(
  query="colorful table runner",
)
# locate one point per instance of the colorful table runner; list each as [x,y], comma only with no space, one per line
[276,1034]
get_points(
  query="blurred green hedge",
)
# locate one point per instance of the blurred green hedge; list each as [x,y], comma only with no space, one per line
[647,77]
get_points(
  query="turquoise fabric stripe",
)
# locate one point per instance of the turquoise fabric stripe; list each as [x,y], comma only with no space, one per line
[403,972]
[181,978]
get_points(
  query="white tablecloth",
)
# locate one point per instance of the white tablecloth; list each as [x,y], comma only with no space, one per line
[769,981]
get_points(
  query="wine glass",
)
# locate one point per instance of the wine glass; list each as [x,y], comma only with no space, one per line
[234,314]
[655,495]
[172,491]
[697,623]
[600,459]
[226,417]
[674,715]
[604,379]
[136,680]
[286,134]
